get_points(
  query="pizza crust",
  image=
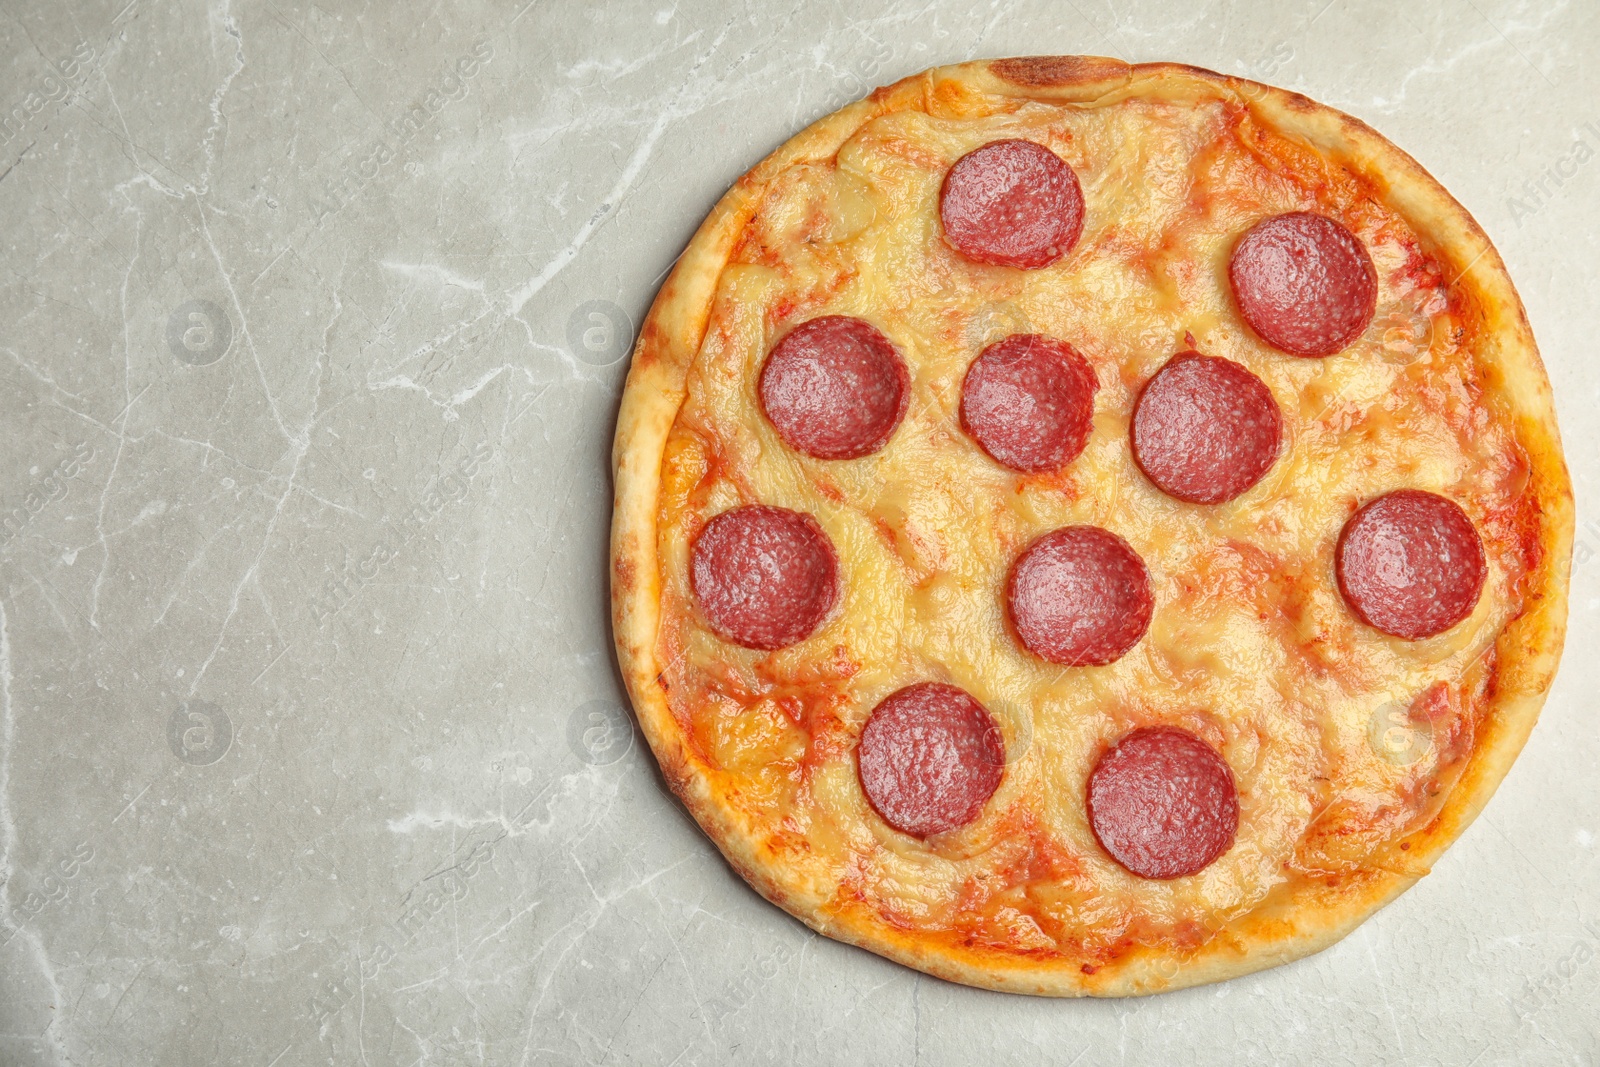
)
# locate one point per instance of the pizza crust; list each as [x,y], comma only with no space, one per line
[1289,925]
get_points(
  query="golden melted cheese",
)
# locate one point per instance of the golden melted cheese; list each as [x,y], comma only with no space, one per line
[1341,739]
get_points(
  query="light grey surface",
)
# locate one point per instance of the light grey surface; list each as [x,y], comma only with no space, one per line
[311,749]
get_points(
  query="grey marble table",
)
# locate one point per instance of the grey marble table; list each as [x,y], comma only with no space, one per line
[313,322]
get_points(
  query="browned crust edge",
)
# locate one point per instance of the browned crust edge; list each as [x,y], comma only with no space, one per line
[1528,649]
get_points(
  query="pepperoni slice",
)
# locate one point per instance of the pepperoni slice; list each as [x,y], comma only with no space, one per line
[930,758]
[835,388]
[1163,803]
[1028,401]
[765,577]
[1410,564]
[1013,204]
[1079,596]
[1304,283]
[1205,429]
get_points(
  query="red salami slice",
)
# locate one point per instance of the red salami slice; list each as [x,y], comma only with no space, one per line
[835,388]
[765,577]
[1410,564]
[930,758]
[1079,596]
[1163,803]
[1304,283]
[1205,429]
[1013,204]
[1028,401]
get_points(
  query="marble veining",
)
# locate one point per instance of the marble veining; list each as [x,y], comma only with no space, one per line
[313,323]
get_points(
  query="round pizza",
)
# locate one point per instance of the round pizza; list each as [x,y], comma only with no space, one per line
[1085,528]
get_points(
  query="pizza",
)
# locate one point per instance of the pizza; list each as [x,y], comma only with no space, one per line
[1084,528]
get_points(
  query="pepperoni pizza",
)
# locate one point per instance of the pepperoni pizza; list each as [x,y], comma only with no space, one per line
[1086,528]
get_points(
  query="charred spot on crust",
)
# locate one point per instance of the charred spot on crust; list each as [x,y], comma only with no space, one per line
[1040,72]
[625,571]
[652,341]
[680,778]
[882,94]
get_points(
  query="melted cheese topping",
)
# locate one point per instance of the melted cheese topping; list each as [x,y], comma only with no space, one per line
[1342,740]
